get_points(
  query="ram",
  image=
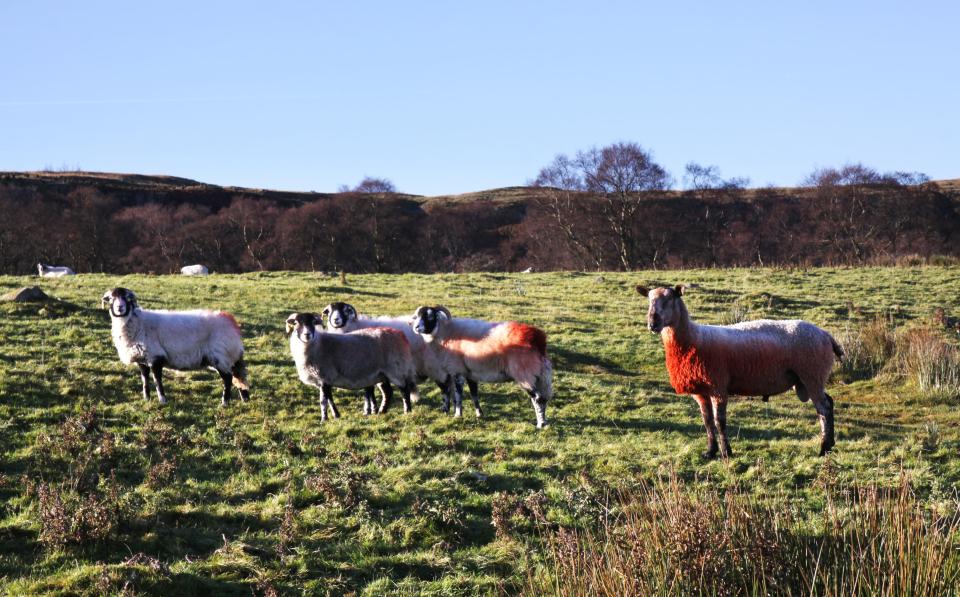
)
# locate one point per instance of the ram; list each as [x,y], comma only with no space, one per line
[763,357]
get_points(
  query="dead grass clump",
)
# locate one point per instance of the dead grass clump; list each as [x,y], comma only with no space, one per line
[669,539]
[868,348]
[930,361]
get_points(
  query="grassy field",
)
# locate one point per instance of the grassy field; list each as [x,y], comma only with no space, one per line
[102,492]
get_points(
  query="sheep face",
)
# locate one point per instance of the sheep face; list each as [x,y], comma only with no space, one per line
[120,301]
[665,307]
[304,325]
[426,319]
[339,314]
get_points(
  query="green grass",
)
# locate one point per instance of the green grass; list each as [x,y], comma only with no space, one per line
[192,498]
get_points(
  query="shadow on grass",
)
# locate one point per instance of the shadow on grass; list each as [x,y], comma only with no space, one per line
[578,362]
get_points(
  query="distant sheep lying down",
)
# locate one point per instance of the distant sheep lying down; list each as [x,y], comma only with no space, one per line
[183,340]
[489,352]
[763,357]
[195,270]
[54,271]
[358,360]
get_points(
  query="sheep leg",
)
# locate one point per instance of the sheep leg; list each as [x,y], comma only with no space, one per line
[387,397]
[445,390]
[326,393]
[458,396]
[333,407]
[157,370]
[368,399]
[706,411]
[539,407]
[227,387]
[720,422]
[824,408]
[405,392]
[475,396]
[145,380]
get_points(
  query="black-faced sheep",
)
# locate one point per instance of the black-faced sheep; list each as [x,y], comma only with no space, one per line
[183,340]
[489,352]
[342,318]
[357,360]
[763,357]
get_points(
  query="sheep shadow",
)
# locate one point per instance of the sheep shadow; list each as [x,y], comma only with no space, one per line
[579,362]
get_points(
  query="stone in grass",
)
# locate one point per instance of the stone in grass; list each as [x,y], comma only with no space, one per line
[31,294]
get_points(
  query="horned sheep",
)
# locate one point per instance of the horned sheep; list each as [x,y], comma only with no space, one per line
[342,318]
[762,357]
[357,360]
[183,340]
[489,352]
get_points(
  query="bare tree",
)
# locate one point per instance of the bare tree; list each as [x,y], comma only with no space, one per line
[705,178]
[616,175]
[370,185]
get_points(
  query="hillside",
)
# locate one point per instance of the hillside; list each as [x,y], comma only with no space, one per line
[131,222]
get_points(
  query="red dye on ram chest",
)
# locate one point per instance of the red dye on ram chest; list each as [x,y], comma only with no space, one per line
[687,367]
[521,334]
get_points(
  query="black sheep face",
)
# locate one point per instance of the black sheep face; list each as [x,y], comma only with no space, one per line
[120,301]
[426,319]
[339,314]
[304,325]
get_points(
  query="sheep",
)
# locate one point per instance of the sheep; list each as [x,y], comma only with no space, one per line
[762,357]
[342,318]
[183,340]
[356,360]
[194,270]
[489,352]
[54,271]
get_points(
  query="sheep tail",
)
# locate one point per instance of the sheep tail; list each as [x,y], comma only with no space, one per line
[837,349]
[240,374]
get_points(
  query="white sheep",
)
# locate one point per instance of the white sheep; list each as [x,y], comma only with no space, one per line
[194,270]
[489,352]
[357,360]
[764,357]
[183,340]
[54,271]
[342,318]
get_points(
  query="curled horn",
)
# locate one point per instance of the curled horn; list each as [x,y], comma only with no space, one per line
[443,310]
[291,323]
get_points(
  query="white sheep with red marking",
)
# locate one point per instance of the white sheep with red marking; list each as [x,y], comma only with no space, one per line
[763,357]
[488,352]
[182,340]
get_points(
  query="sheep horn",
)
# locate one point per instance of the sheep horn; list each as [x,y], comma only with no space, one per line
[443,310]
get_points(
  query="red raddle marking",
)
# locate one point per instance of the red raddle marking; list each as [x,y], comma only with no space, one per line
[230,317]
[687,366]
[521,334]
[391,331]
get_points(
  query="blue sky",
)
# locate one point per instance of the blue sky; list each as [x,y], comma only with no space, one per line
[458,97]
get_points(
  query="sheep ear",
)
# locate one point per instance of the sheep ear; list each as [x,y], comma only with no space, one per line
[679,288]
[643,290]
[291,323]
[326,311]
[316,319]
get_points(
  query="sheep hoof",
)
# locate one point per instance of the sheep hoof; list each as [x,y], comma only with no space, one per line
[479,413]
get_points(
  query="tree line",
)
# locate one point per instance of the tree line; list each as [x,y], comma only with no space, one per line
[610,208]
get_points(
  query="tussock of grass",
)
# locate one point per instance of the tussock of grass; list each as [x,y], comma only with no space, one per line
[667,538]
